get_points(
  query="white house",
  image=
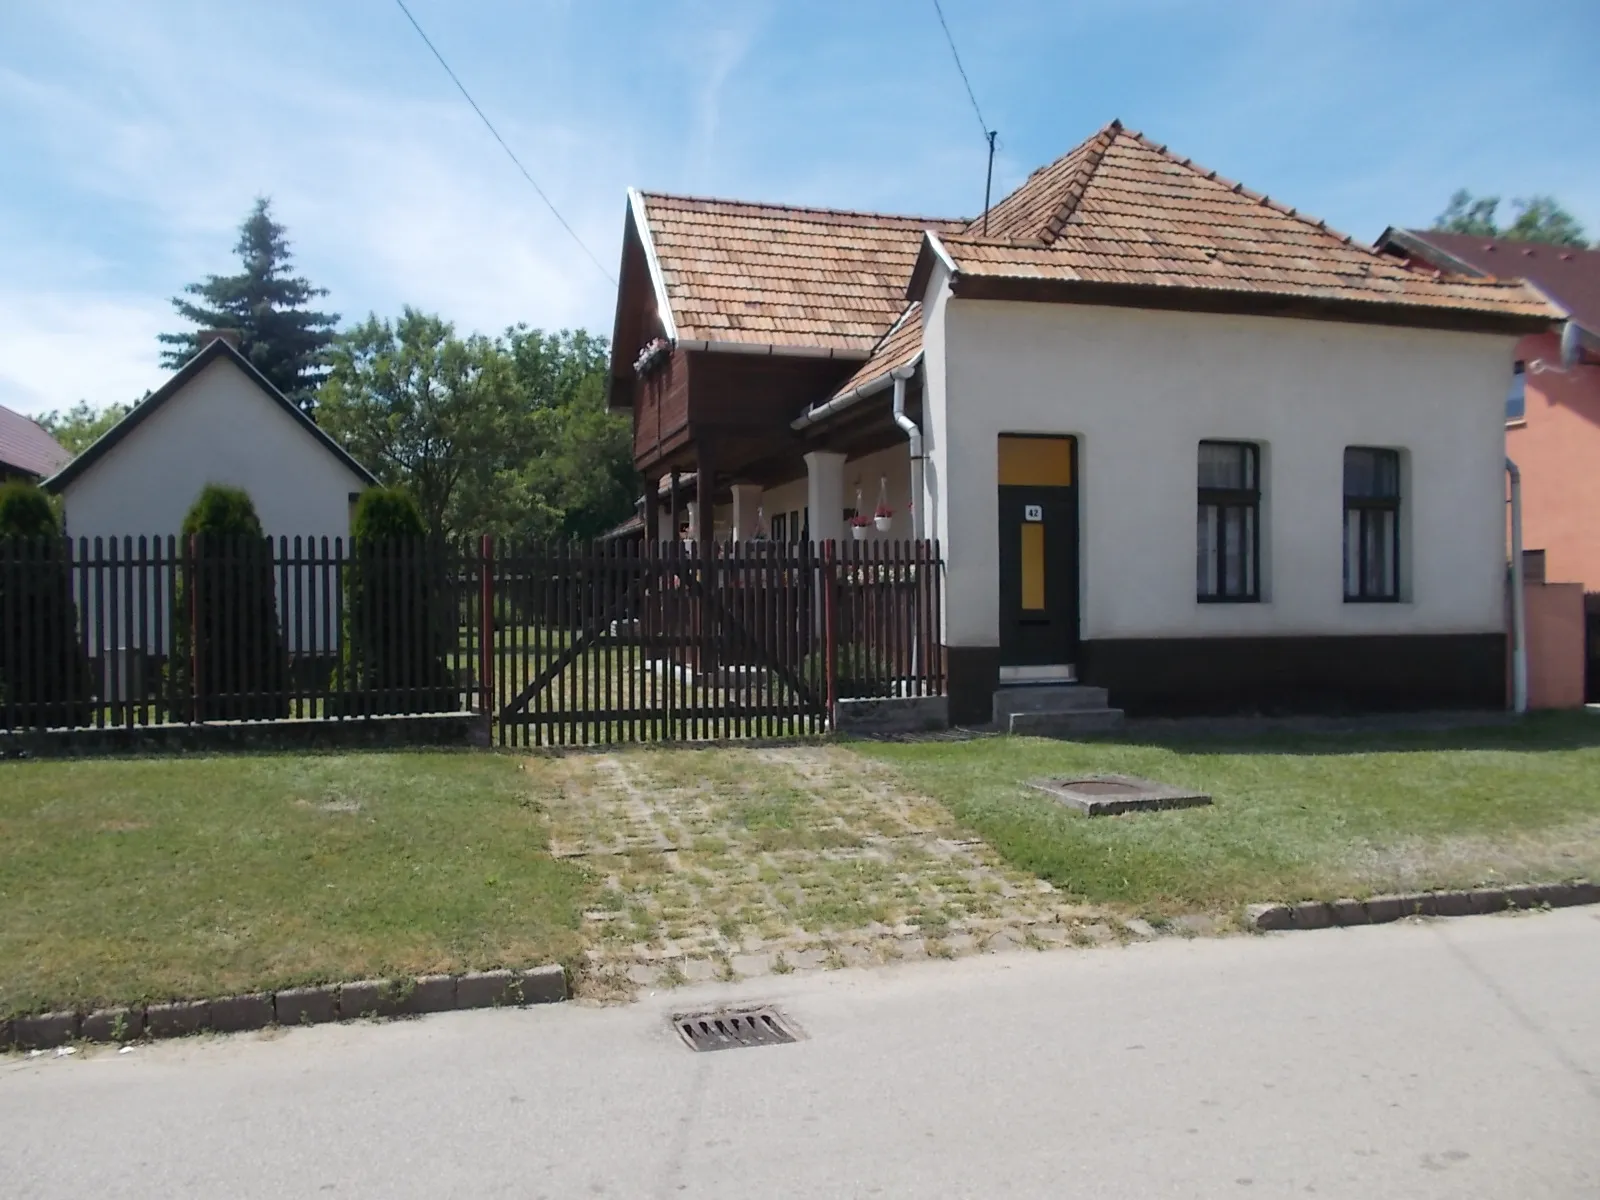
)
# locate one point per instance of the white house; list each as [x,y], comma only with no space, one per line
[1178,440]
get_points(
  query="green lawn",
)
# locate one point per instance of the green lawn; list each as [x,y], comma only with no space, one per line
[157,878]
[1295,816]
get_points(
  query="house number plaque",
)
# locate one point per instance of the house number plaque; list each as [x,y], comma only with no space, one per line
[1033,512]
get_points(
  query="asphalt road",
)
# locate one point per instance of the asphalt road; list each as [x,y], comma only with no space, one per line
[1447,1059]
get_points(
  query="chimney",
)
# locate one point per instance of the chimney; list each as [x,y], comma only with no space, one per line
[206,336]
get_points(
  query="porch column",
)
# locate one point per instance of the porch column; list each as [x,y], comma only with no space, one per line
[825,495]
[746,512]
[652,512]
[704,528]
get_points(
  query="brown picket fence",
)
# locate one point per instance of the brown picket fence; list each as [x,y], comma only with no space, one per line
[553,643]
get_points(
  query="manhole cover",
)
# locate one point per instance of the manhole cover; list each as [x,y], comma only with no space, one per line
[1107,795]
[1103,787]
[728,1030]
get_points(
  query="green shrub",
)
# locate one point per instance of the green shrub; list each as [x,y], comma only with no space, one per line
[398,620]
[45,678]
[859,672]
[228,661]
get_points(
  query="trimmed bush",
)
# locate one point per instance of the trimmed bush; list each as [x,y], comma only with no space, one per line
[398,622]
[45,678]
[228,661]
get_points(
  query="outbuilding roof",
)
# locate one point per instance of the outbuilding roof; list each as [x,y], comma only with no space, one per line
[218,348]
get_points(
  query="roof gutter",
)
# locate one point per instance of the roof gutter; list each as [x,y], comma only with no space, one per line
[821,412]
[764,349]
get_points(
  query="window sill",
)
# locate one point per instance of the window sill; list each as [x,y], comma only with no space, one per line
[1374,600]
[1518,423]
[1227,599]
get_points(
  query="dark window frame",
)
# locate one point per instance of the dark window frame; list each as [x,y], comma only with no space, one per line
[1517,393]
[1368,508]
[1224,499]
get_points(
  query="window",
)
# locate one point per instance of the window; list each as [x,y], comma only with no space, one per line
[1517,397]
[1371,524]
[780,528]
[1228,526]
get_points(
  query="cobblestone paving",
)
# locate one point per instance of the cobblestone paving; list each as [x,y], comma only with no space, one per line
[723,864]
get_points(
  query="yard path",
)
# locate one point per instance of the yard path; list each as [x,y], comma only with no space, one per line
[724,864]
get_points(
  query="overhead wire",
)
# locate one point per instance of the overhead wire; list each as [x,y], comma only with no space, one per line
[511,154]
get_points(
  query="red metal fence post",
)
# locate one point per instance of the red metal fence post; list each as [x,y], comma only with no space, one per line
[830,631]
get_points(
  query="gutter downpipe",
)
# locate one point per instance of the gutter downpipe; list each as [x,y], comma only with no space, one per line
[902,376]
[1519,616]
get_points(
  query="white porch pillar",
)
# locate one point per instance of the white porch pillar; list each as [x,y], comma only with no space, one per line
[825,495]
[746,511]
[691,516]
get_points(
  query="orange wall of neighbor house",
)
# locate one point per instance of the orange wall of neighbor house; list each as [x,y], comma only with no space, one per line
[1554,615]
[1557,449]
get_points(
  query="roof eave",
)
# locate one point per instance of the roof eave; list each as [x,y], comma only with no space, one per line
[930,252]
[658,281]
[1415,243]
[1248,303]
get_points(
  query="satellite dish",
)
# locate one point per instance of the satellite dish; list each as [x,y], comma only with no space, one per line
[1571,345]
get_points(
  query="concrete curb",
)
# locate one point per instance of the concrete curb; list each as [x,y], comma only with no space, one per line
[292,1006]
[1379,910]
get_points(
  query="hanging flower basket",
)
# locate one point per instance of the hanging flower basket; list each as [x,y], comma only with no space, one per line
[883,515]
[859,524]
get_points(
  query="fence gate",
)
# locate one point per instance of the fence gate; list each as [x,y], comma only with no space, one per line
[620,642]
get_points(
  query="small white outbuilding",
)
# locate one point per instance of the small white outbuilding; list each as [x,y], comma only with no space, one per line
[217,420]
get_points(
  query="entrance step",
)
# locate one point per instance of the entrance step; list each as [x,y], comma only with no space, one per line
[1070,724]
[1054,710]
[1051,697]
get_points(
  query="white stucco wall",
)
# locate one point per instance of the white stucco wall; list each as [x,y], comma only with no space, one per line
[864,475]
[1141,389]
[220,428]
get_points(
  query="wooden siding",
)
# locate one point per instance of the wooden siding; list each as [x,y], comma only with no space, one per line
[661,412]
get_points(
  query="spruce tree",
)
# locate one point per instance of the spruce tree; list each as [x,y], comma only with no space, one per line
[279,333]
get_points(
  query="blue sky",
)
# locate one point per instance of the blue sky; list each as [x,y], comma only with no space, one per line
[134,136]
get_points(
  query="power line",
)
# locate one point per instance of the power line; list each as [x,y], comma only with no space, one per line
[489,125]
[956,54]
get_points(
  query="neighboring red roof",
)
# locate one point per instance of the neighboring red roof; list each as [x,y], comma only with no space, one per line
[1569,276]
[772,274]
[1120,210]
[26,447]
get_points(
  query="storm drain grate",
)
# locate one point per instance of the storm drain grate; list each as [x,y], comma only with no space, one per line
[728,1030]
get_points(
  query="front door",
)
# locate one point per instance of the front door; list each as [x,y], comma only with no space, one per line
[1038,551]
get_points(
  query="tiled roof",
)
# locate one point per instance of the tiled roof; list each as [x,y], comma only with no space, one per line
[898,347]
[1121,210]
[775,275]
[25,446]
[1568,275]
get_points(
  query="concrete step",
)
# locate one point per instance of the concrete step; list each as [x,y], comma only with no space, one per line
[1040,698]
[1070,723]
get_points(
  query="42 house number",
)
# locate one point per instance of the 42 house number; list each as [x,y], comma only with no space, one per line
[1033,512]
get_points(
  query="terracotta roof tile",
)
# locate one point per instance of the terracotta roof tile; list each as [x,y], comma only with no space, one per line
[896,348]
[1120,209]
[765,273]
